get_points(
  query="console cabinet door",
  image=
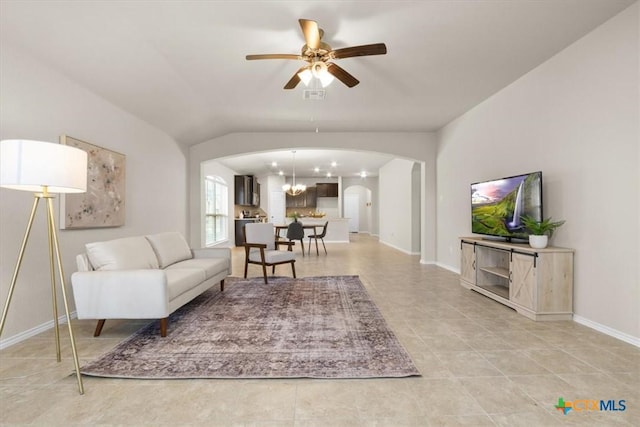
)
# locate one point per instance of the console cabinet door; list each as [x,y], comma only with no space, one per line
[468,263]
[522,289]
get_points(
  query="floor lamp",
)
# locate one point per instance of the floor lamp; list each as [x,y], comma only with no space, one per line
[44,168]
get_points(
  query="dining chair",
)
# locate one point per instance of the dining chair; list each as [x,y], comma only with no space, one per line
[295,231]
[321,237]
[261,248]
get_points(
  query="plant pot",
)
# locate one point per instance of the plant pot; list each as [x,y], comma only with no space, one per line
[538,242]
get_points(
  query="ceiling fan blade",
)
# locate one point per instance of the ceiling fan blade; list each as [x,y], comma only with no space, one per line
[295,79]
[364,50]
[311,33]
[273,56]
[342,75]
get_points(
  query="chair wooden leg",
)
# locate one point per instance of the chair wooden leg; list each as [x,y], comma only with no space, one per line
[164,322]
[325,248]
[99,326]
[293,269]
[246,267]
[222,285]
[264,273]
[302,245]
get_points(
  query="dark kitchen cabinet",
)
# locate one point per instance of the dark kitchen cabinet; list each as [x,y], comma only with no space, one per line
[240,223]
[304,200]
[246,190]
[327,190]
[311,197]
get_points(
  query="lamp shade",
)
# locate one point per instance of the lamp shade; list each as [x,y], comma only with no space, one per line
[31,165]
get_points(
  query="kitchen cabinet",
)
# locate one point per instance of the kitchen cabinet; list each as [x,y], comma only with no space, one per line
[246,190]
[238,229]
[304,200]
[327,190]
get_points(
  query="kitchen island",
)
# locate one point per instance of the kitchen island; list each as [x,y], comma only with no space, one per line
[337,230]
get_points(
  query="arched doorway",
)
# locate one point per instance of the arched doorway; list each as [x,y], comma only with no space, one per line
[358,208]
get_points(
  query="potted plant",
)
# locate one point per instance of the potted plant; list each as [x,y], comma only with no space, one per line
[540,231]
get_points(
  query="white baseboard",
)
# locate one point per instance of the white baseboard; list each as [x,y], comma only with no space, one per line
[579,319]
[448,267]
[607,330]
[33,331]
[399,249]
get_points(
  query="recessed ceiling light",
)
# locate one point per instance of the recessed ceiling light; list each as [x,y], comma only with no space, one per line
[334,164]
[328,174]
[274,164]
[280,173]
[316,170]
[363,174]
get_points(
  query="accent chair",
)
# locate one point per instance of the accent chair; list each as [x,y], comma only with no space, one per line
[261,248]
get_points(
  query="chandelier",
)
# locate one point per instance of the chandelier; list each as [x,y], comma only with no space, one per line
[294,189]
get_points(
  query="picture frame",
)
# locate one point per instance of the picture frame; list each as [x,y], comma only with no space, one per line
[103,204]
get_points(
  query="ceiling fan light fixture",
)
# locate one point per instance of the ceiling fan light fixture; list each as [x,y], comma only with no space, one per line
[326,79]
[318,68]
[305,76]
[316,53]
[319,71]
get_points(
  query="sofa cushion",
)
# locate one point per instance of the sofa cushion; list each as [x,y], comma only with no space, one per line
[169,247]
[181,280]
[128,253]
[210,266]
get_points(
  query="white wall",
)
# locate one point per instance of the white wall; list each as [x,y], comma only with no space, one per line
[396,213]
[419,146]
[574,117]
[38,103]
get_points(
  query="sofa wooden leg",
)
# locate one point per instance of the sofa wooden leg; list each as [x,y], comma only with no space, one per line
[293,270]
[164,322]
[222,285]
[99,326]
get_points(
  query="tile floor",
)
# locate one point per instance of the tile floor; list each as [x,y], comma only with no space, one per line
[482,364]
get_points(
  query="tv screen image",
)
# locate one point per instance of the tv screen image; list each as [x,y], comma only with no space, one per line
[498,205]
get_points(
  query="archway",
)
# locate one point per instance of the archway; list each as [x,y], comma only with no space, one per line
[420,147]
[358,208]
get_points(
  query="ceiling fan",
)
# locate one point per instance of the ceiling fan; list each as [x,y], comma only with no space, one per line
[318,55]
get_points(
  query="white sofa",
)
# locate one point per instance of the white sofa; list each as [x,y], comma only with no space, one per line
[144,277]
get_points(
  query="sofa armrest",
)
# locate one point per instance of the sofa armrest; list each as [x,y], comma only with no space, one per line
[211,253]
[121,294]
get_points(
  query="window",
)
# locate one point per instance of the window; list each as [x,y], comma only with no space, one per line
[216,210]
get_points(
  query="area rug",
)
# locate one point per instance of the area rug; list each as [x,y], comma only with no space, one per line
[312,327]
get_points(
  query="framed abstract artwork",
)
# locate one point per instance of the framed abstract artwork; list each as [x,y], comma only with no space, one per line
[103,205]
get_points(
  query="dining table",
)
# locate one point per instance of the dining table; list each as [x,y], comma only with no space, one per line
[279,228]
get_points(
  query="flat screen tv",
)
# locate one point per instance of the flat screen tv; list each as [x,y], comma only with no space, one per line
[498,205]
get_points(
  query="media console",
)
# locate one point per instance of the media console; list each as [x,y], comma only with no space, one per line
[537,283]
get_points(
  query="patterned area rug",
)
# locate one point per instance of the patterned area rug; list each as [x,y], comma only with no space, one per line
[312,327]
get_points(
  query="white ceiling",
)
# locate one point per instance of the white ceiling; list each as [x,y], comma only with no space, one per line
[348,164]
[180,65]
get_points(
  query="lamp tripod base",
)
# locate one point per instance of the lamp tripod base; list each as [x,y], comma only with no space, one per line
[54,250]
